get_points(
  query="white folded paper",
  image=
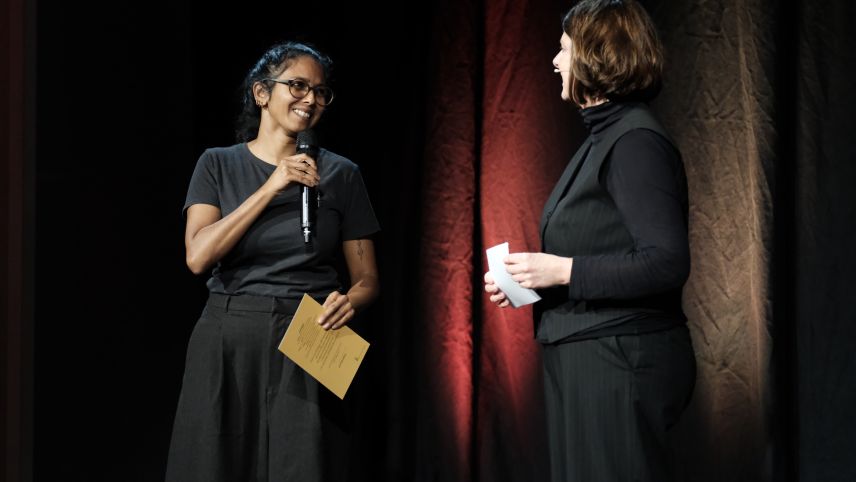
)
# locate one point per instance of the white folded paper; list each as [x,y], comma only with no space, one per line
[517,295]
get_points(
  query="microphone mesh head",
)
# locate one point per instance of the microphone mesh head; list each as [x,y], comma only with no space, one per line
[306,140]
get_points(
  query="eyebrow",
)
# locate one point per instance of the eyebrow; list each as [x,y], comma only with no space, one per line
[304,79]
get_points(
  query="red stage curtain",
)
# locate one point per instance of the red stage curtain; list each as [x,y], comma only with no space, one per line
[498,138]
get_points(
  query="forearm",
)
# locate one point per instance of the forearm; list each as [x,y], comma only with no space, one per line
[362,269]
[359,255]
[625,276]
[214,241]
[363,292]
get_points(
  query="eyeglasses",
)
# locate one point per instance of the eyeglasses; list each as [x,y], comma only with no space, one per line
[300,89]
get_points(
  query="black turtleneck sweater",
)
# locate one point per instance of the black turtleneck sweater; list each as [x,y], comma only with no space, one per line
[645,177]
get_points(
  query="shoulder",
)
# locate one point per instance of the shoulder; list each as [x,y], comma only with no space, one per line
[337,160]
[335,164]
[644,139]
[228,159]
[638,115]
[644,150]
[645,133]
[224,154]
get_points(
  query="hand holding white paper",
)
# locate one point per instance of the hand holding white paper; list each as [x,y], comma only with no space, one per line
[517,295]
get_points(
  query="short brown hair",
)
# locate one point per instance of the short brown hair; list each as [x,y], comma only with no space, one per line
[616,51]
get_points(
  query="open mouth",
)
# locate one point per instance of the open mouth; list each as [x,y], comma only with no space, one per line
[302,113]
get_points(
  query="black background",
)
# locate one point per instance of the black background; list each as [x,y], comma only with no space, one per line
[129,95]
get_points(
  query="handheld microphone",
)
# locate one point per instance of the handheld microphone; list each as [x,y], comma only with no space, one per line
[306,144]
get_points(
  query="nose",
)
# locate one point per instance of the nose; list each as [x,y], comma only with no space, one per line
[306,97]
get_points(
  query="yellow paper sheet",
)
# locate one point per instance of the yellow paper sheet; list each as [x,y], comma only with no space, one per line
[331,356]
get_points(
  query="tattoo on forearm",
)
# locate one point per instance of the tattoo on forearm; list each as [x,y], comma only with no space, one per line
[360,250]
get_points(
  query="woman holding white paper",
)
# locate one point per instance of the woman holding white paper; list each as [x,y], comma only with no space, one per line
[246,412]
[618,361]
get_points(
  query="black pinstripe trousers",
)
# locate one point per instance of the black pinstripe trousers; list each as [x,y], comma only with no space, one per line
[610,402]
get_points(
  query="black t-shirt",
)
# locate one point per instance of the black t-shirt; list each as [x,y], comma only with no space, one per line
[271,258]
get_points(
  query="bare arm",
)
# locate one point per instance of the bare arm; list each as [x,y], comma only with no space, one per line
[365,286]
[208,236]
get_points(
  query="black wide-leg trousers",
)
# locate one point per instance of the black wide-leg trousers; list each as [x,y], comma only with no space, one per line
[610,402]
[246,412]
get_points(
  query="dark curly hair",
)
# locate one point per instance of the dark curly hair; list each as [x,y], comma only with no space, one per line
[277,58]
[616,51]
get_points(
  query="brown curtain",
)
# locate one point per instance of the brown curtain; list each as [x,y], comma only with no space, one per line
[719,102]
[756,96]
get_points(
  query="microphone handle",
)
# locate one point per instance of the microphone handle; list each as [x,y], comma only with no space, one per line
[305,218]
[306,144]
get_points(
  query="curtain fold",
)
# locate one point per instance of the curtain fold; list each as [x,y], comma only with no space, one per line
[523,151]
[447,290]
[719,103]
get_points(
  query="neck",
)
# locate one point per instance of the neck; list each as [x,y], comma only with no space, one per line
[276,140]
[271,146]
[593,102]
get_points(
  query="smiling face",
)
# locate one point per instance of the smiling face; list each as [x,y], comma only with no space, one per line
[282,112]
[562,63]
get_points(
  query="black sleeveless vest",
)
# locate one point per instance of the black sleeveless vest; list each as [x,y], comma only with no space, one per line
[580,218]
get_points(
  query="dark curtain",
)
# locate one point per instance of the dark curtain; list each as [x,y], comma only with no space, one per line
[16,234]
[819,278]
[453,113]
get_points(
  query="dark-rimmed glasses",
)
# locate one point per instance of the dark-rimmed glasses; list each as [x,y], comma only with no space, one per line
[300,89]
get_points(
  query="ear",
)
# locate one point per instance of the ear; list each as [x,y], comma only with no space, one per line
[262,94]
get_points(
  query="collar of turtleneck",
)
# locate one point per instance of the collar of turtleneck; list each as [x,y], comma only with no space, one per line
[598,118]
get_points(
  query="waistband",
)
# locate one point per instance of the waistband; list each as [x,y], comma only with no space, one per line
[261,304]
